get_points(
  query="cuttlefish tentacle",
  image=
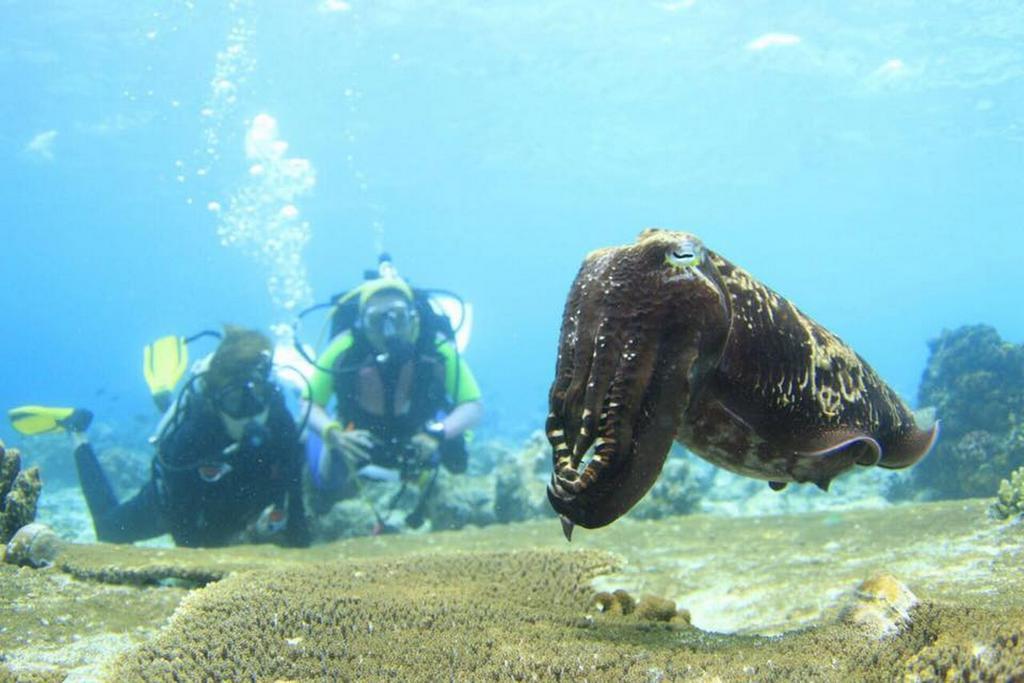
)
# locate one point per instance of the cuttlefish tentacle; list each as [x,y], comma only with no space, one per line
[624,394]
[570,354]
[607,347]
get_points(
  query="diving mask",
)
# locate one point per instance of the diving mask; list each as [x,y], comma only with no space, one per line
[244,398]
[389,320]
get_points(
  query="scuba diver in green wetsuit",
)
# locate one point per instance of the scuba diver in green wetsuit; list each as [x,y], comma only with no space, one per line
[404,397]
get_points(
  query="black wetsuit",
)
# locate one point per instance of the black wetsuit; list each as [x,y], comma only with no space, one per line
[195,512]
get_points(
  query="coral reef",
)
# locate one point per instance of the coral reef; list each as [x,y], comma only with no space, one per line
[19,493]
[994,654]
[410,619]
[54,627]
[515,490]
[520,480]
[1010,498]
[348,518]
[676,492]
[513,615]
[451,502]
[975,383]
[460,500]
[477,605]
[616,602]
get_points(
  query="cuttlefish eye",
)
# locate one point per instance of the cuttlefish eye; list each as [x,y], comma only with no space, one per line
[684,255]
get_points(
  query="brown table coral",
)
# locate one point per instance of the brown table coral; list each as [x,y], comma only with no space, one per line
[523,605]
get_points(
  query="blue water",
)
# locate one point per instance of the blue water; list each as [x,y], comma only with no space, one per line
[867,162]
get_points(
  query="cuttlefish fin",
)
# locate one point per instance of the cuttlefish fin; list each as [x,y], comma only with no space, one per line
[835,442]
[910,448]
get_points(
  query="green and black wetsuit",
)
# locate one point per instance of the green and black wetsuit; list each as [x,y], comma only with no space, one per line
[412,392]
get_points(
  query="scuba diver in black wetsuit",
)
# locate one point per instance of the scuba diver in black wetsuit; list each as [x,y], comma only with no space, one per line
[228,459]
[404,397]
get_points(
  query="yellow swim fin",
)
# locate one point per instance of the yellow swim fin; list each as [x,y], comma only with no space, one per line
[32,420]
[163,363]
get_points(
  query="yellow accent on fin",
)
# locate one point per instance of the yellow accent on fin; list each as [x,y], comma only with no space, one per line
[163,363]
[32,420]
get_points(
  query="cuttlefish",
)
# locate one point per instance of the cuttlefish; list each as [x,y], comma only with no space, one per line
[664,340]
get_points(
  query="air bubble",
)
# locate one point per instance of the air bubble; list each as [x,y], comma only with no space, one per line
[262,218]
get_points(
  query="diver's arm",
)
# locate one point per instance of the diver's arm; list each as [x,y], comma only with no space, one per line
[464,416]
[319,418]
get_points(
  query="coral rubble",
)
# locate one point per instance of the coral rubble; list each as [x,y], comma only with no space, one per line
[19,493]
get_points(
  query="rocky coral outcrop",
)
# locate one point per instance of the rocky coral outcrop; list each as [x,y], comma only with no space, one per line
[676,492]
[19,493]
[882,607]
[975,382]
[520,480]
[459,500]
[34,545]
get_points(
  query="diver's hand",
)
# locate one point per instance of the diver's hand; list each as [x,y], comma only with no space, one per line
[354,444]
[425,446]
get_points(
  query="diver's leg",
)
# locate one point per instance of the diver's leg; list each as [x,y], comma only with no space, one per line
[114,522]
[99,494]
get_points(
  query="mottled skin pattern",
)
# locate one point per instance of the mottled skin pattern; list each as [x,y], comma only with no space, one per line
[665,340]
